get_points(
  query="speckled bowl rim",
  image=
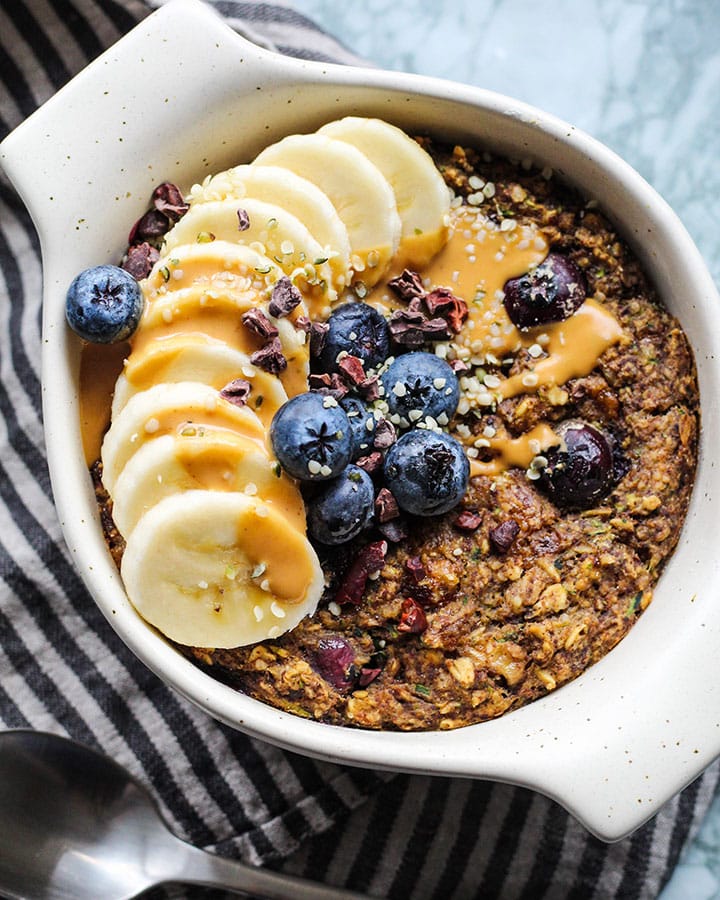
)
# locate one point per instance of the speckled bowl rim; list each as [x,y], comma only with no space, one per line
[635,728]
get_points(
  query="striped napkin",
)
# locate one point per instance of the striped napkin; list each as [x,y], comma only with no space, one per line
[63,669]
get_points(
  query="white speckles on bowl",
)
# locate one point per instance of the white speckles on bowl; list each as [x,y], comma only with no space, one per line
[613,745]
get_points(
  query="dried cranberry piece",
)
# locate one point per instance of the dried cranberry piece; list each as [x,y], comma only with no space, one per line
[237,391]
[551,292]
[334,659]
[284,298]
[169,200]
[369,561]
[270,358]
[407,286]
[139,260]
[412,617]
[503,536]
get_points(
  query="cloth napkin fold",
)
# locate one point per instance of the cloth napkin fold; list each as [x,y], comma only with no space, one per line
[63,669]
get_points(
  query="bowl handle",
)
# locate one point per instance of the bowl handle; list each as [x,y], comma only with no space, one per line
[153,69]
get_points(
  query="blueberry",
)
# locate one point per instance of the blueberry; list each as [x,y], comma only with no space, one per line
[359,330]
[311,437]
[551,292]
[427,472]
[342,508]
[582,472]
[418,385]
[104,304]
[362,425]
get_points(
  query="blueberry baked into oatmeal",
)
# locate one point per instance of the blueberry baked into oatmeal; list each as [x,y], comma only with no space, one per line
[385,433]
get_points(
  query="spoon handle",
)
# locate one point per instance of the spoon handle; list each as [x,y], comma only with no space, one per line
[200,867]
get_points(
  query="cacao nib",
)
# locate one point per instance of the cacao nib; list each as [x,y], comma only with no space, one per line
[237,391]
[243,219]
[406,328]
[270,358]
[169,200]
[149,227]
[351,368]
[370,388]
[458,366]
[284,298]
[412,329]
[442,302]
[468,520]
[371,463]
[318,336]
[369,561]
[334,659]
[367,676]
[139,260]
[436,330]
[412,617]
[256,320]
[394,531]
[407,285]
[385,435]
[318,381]
[330,385]
[386,507]
[503,535]
[415,568]
[302,323]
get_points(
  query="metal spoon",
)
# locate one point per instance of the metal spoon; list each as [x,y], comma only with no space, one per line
[76,825]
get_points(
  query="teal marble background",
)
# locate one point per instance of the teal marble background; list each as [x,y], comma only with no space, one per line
[643,76]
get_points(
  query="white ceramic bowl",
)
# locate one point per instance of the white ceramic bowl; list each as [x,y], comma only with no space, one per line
[183,95]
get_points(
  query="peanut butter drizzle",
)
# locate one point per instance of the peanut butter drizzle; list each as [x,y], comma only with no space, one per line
[477,260]
[224,417]
[271,540]
[574,348]
[518,451]
[100,365]
[216,465]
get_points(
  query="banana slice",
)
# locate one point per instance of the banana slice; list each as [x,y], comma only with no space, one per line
[219,461]
[297,195]
[211,569]
[188,407]
[197,357]
[421,195]
[357,189]
[237,266]
[271,230]
[216,311]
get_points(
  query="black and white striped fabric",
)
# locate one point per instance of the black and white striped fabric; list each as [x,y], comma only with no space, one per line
[62,668]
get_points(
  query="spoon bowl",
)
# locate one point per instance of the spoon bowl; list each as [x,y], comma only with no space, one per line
[75,825]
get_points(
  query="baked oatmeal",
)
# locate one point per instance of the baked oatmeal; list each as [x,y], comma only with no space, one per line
[579,431]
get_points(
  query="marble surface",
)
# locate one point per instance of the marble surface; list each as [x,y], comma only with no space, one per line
[643,76]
